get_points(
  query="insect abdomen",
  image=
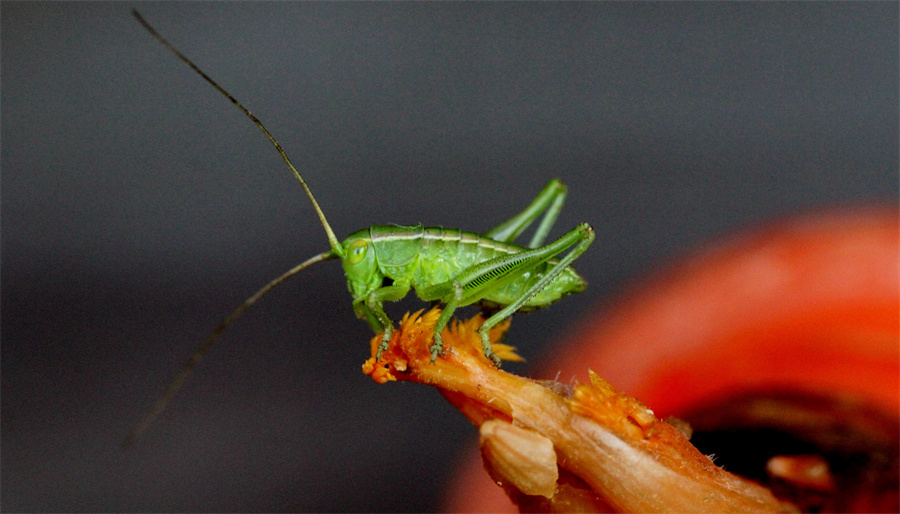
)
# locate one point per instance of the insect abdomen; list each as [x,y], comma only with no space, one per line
[433,255]
[447,252]
[474,249]
[566,283]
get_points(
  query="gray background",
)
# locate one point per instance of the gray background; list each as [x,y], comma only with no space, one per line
[139,207]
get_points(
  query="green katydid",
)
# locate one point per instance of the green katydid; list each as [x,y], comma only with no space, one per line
[451,267]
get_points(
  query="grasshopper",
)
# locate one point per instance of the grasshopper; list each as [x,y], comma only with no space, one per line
[447,266]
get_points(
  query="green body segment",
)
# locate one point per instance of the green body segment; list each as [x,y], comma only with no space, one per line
[425,256]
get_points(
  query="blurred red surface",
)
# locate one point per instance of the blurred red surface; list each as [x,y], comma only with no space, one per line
[810,305]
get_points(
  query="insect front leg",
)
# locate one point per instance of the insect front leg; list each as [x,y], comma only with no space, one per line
[549,201]
[582,236]
[374,304]
[363,312]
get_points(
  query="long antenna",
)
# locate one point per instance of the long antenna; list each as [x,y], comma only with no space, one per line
[336,251]
[335,244]
[188,368]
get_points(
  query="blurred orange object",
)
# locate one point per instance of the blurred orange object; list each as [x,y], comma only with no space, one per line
[558,448]
[787,338]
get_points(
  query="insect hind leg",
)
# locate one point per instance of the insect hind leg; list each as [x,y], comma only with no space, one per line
[549,202]
[582,236]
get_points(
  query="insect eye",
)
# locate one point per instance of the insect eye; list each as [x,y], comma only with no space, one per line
[357,251]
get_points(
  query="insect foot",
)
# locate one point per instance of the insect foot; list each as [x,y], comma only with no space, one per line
[410,345]
[437,348]
[488,351]
[385,342]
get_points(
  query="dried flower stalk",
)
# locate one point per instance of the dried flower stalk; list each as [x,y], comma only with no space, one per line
[608,449]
